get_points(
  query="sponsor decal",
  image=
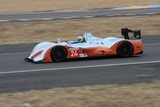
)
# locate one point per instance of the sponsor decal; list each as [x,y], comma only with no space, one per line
[83,55]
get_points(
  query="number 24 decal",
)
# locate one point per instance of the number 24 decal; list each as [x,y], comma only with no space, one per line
[74,53]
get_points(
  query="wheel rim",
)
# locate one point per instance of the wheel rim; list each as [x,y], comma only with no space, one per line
[58,54]
[125,49]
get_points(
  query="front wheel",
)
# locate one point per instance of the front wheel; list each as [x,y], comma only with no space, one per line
[125,49]
[58,54]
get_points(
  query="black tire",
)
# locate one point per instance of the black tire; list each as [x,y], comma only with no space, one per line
[58,54]
[125,49]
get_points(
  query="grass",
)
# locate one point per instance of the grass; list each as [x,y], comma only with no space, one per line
[111,95]
[50,5]
[35,31]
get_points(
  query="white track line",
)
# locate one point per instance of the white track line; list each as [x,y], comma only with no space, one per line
[77,67]
[150,44]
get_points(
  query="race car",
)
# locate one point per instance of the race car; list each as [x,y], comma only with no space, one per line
[88,45]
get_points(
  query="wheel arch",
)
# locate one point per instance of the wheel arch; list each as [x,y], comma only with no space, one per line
[47,57]
[122,42]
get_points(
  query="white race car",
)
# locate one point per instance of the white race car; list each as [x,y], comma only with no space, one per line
[88,46]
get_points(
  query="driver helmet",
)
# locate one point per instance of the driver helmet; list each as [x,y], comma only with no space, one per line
[81,39]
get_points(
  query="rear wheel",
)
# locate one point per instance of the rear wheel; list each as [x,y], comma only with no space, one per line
[125,49]
[58,54]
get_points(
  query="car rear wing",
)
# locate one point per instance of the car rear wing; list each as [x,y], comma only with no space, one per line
[136,33]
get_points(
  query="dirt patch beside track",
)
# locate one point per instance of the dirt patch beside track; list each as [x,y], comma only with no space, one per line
[50,5]
[35,31]
[133,95]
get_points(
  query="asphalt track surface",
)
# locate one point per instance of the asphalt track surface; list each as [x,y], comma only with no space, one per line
[75,14]
[17,75]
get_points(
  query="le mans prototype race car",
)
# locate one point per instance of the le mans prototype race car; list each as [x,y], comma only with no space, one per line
[88,46]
